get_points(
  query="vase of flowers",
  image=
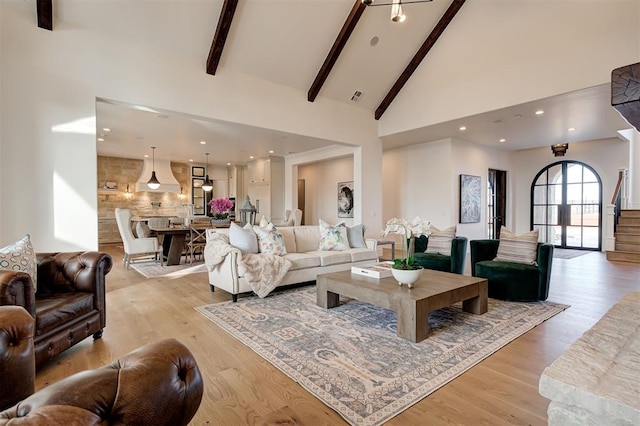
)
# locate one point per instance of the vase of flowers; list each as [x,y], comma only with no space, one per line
[405,270]
[220,208]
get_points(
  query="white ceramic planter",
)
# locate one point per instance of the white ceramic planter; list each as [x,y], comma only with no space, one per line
[408,277]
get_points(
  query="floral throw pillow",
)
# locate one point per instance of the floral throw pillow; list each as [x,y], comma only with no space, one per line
[270,240]
[518,248]
[333,238]
[440,240]
[20,256]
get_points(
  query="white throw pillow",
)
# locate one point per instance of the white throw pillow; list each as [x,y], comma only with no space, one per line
[333,238]
[440,240]
[270,240]
[518,248]
[243,238]
[20,256]
[263,222]
[355,235]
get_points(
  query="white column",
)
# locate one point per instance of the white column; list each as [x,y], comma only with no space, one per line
[609,235]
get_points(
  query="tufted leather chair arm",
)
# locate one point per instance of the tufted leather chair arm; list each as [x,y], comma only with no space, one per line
[17,355]
[158,384]
[72,271]
[16,288]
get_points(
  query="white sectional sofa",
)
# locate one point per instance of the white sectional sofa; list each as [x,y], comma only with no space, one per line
[307,261]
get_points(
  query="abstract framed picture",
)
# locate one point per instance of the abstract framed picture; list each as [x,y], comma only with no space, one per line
[345,199]
[470,197]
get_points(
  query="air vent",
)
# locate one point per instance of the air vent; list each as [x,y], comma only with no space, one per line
[356,96]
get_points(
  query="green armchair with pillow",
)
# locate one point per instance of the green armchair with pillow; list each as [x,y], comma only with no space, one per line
[516,269]
[441,251]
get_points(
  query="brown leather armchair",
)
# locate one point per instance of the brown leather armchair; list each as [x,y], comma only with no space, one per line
[158,384]
[69,304]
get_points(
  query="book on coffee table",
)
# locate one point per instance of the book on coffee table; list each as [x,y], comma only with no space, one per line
[379,270]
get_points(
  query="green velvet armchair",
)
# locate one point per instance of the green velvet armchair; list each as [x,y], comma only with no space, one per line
[510,280]
[454,262]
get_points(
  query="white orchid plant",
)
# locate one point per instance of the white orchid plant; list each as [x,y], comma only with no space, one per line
[410,230]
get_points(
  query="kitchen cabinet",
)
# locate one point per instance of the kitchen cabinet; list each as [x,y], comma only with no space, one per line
[266,187]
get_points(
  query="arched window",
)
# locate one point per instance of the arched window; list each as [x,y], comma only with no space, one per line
[566,205]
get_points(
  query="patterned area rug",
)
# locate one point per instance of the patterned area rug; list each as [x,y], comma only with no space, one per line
[350,356]
[154,270]
[569,254]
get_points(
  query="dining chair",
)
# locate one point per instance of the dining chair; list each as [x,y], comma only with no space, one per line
[135,249]
[196,241]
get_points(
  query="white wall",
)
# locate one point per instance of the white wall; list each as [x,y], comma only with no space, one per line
[473,159]
[553,47]
[424,180]
[606,156]
[50,78]
[321,183]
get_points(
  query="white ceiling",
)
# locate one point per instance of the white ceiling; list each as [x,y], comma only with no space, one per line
[286,41]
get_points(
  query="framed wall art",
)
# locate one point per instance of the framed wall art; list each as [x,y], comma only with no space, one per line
[345,199]
[470,198]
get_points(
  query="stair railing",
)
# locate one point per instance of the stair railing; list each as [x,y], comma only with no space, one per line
[619,201]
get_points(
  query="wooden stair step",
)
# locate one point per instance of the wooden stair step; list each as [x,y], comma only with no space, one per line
[629,221]
[630,247]
[630,213]
[627,238]
[623,256]
[628,229]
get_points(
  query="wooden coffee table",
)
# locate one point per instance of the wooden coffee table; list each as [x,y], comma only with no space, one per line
[434,290]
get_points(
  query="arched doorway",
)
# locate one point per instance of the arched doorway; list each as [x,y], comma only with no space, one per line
[566,205]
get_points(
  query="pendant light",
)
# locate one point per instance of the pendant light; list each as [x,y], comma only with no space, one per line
[207,185]
[153,183]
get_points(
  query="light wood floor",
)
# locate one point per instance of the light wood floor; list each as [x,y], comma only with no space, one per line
[242,388]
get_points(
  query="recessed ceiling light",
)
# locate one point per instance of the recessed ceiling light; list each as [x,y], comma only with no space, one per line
[146,156]
[228,164]
[571,129]
[271,151]
[203,142]
[106,129]
[191,160]
[251,157]
[100,140]
[463,128]
[539,112]
[503,140]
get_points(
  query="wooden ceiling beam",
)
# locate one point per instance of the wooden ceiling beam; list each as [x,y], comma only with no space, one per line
[44,10]
[446,19]
[220,37]
[336,49]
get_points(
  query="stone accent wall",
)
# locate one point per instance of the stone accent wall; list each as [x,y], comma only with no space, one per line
[126,171]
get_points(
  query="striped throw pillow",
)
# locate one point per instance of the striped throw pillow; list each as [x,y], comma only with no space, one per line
[518,248]
[440,240]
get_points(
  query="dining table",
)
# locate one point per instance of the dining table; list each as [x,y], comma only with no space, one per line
[173,240]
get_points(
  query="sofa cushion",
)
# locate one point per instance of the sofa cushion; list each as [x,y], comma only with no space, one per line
[289,239]
[510,280]
[270,240]
[361,254]
[56,309]
[517,248]
[440,240]
[332,257]
[19,256]
[333,238]
[434,261]
[243,238]
[302,260]
[307,238]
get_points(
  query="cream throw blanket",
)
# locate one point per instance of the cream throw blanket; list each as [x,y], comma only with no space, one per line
[262,271]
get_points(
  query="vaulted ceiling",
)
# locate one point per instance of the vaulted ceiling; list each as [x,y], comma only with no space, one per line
[291,43]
